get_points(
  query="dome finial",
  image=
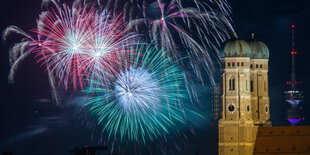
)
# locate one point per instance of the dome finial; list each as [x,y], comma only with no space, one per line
[235,35]
[253,36]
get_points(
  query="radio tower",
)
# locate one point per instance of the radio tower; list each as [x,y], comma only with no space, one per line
[293,95]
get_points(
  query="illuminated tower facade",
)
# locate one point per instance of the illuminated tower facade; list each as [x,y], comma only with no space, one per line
[236,126]
[259,82]
[293,95]
[242,81]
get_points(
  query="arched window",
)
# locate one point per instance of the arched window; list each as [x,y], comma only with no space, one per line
[251,85]
[232,83]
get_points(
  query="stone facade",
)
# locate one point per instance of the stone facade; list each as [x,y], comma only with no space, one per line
[259,91]
[245,102]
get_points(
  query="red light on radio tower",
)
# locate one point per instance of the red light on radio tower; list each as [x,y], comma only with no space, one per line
[293,26]
[293,52]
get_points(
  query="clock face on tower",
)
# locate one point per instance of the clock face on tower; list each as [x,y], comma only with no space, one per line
[231,108]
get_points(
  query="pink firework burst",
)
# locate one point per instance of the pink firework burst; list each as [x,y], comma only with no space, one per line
[108,43]
[81,43]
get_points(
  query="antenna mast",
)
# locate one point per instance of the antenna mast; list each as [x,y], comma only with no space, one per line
[293,52]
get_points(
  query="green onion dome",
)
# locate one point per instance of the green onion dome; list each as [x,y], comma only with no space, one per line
[235,48]
[259,49]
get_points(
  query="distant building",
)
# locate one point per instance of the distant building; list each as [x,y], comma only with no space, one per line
[91,150]
[293,95]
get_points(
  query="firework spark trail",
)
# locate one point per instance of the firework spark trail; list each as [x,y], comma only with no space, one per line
[145,100]
[21,51]
[195,30]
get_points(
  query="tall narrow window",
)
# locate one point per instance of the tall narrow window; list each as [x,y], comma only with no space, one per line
[251,85]
[232,83]
[261,66]
[242,64]
[246,85]
[251,65]
[233,64]
[228,64]
[256,65]
[238,64]
[265,86]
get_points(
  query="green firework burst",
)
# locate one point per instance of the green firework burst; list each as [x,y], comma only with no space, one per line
[144,101]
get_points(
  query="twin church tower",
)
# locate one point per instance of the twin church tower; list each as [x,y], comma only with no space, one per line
[245,100]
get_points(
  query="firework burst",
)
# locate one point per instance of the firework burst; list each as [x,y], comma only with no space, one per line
[145,99]
[73,43]
[136,94]
[136,90]
[81,43]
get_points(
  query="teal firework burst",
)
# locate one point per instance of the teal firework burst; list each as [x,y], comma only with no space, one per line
[145,99]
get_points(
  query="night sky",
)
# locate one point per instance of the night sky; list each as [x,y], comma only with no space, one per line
[30,122]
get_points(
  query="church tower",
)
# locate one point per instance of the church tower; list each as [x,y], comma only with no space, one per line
[236,127]
[259,82]
[245,101]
